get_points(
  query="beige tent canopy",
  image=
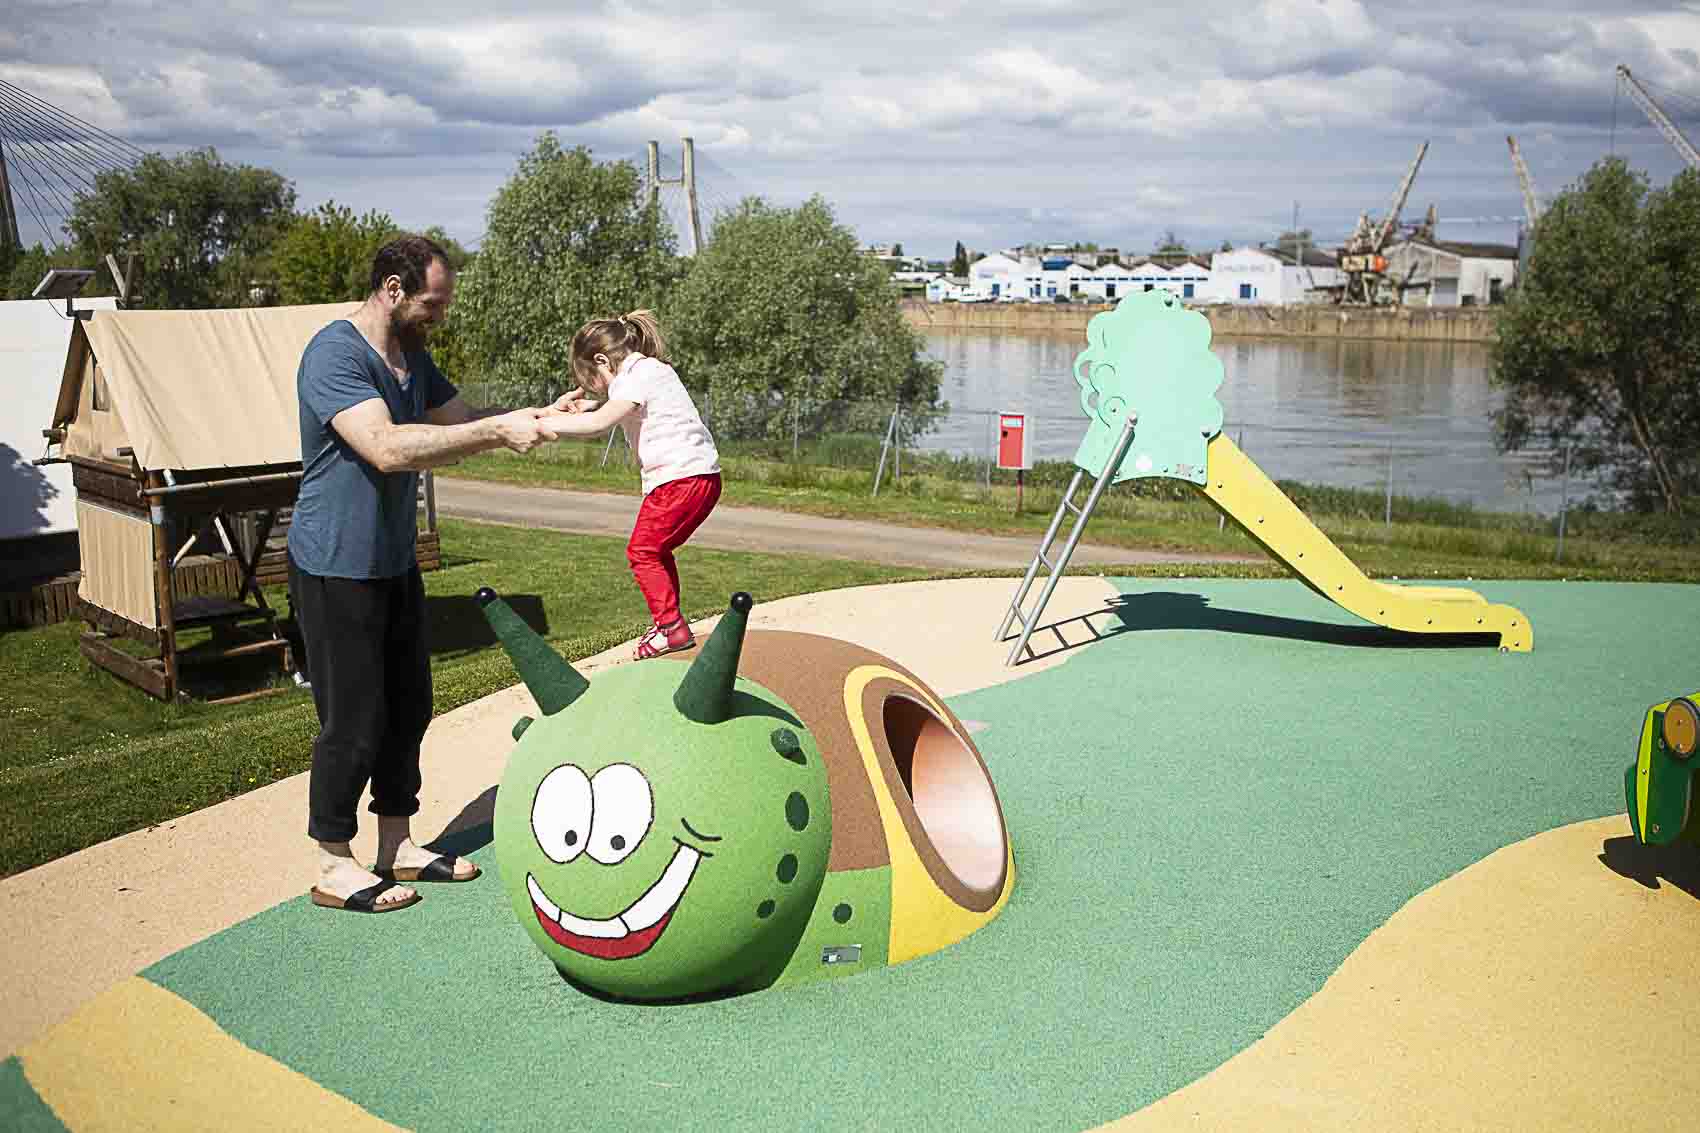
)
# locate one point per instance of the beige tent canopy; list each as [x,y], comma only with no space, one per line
[182,432]
[188,391]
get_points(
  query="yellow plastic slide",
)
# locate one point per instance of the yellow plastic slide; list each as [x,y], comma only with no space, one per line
[1251,499]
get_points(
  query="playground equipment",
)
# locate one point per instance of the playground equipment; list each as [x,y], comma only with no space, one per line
[183,435]
[788,808]
[1148,384]
[1660,783]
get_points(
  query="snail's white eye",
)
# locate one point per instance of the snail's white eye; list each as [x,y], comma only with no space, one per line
[560,813]
[624,809]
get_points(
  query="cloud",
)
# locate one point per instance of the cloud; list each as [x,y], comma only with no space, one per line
[1053,119]
[1279,37]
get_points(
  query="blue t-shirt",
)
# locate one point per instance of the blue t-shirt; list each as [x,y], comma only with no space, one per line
[351,520]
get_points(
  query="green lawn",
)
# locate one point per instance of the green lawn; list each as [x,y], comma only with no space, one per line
[87,757]
[1427,538]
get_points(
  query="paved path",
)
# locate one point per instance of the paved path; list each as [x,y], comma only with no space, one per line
[761,529]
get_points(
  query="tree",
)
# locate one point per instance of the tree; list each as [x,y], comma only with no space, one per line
[1596,347]
[780,315]
[326,255]
[22,268]
[202,229]
[1170,250]
[897,249]
[1293,242]
[566,240]
[959,263]
[10,254]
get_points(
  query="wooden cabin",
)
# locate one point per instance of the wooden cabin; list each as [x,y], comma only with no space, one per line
[182,432]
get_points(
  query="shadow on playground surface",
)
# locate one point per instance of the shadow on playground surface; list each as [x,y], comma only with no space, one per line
[1648,866]
[1181,610]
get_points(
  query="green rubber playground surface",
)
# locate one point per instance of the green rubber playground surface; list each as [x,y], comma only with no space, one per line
[1210,809]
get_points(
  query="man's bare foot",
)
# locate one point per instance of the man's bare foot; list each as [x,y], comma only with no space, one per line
[396,850]
[341,876]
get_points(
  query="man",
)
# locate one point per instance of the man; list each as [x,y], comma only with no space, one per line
[375,410]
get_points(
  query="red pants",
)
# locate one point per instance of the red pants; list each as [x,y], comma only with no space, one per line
[669,515]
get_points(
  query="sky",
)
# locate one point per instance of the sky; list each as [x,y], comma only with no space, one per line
[921,124]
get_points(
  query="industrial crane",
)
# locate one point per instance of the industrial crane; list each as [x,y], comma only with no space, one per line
[1659,118]
[1361,260]
[1531,208]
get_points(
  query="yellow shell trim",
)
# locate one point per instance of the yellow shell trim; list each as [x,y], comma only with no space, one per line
[1644,768]
[923,917]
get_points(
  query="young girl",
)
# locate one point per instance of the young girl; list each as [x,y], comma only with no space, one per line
[622,361]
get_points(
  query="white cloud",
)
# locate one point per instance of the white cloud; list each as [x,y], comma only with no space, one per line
[1295,35]
[1081,118]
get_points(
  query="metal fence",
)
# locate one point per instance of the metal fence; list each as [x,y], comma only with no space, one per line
[1419,456]
[1416,457]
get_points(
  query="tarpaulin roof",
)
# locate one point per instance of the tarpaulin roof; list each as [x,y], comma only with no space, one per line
[199,389]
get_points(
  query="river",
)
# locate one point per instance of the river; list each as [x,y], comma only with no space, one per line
[1338,412]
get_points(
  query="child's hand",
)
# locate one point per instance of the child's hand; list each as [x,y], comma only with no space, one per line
[574,402]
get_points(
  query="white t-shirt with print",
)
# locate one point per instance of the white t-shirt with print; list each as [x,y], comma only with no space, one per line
[664,430]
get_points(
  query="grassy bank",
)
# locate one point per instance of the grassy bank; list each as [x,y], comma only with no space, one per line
[1426,538]
[87,757]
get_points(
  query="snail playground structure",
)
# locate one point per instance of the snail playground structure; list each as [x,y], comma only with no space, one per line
[794,807]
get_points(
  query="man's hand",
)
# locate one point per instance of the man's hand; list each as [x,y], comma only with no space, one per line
[574,402]
[522,429]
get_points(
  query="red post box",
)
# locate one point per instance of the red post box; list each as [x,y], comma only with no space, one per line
[1013,450]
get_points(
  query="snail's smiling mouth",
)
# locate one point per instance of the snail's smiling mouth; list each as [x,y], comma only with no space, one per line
[630,933]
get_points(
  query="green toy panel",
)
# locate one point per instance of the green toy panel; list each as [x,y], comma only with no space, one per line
[1150,356]
[1670,791]
[1629,777]
[850,930]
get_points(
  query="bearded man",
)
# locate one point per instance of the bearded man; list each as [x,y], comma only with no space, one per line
[375,410]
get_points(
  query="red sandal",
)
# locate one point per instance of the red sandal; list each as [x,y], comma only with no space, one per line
[659,641]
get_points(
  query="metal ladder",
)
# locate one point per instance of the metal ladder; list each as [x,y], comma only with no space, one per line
[1081,514]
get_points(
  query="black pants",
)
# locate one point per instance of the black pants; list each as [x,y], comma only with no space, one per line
[370,667]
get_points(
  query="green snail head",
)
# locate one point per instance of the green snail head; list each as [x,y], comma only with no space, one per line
[662,831]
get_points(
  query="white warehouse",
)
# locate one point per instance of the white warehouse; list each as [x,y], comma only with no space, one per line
[1265,275]
[1001,277]
[1448,274]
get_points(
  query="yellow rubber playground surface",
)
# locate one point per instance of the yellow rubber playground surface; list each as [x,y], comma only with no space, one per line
[1277,869]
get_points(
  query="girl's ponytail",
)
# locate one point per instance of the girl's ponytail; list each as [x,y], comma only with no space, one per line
[643,334]
[615,338]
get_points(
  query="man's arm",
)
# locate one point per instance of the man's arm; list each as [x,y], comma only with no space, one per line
[389,447]
[456,411]
[587,424]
